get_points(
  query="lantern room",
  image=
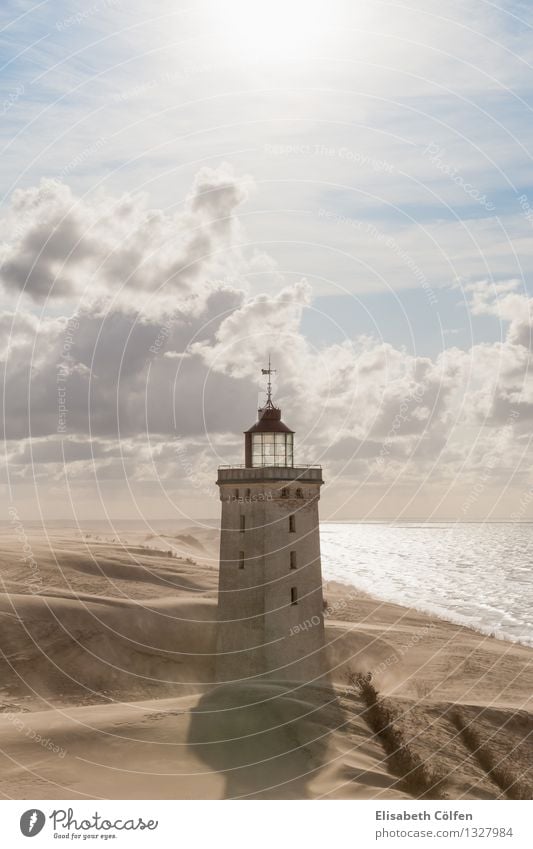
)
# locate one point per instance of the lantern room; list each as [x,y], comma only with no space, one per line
[269,442]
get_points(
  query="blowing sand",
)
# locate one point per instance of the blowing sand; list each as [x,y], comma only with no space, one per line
[107,688]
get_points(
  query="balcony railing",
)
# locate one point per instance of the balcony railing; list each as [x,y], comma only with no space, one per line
[237,473]
[244,466]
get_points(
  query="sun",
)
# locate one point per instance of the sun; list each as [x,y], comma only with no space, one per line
[273,30]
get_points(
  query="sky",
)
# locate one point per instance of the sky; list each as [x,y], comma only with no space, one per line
[186,188]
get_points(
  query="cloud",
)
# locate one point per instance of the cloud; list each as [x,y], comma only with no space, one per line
[261,324]
[506,302]
[56,245]
[109,390]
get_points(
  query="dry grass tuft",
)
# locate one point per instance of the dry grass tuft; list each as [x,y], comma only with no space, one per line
[504,774]
[417,777]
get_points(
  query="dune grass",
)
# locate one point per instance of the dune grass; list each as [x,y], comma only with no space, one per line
[502,772]
[416,776]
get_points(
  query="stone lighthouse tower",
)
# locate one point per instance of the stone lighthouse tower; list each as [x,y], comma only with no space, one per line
[270,604]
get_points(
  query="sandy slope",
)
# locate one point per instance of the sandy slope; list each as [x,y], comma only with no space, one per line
[107,686]
[255,742]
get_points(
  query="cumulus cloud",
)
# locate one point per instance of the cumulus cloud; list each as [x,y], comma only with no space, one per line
[504,385]
[117,389]
[505,301]
[56,245]
[261,324]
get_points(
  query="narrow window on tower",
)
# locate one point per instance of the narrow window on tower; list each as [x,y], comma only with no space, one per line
[241,559]
[292,524]
[294,595]
[243,523]
[284,492]
[236,494]
[293,559]
[299,493]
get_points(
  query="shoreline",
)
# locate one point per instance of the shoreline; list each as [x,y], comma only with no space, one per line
[463,574]
[431,613]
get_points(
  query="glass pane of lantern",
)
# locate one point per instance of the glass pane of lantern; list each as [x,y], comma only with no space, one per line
[280,449]
[257,450]
[290,459]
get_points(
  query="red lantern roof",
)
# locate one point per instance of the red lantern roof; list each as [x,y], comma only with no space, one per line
[269,421]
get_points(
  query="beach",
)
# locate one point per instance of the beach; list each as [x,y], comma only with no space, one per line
[108,687]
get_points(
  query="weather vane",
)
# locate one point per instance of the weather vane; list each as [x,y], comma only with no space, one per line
[270,371]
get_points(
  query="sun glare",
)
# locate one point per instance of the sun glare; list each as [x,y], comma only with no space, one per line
[282,30]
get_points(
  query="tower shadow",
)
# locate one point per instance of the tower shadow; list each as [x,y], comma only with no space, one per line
[268,741]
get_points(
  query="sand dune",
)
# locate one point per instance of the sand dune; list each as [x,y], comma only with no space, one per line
[246,742]
[107,690]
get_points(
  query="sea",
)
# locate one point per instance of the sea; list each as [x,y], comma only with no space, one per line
[480,575]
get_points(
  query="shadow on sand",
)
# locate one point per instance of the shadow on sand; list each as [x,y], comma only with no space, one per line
[270,741]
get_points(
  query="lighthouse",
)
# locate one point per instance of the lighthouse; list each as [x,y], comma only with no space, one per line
[270,601]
